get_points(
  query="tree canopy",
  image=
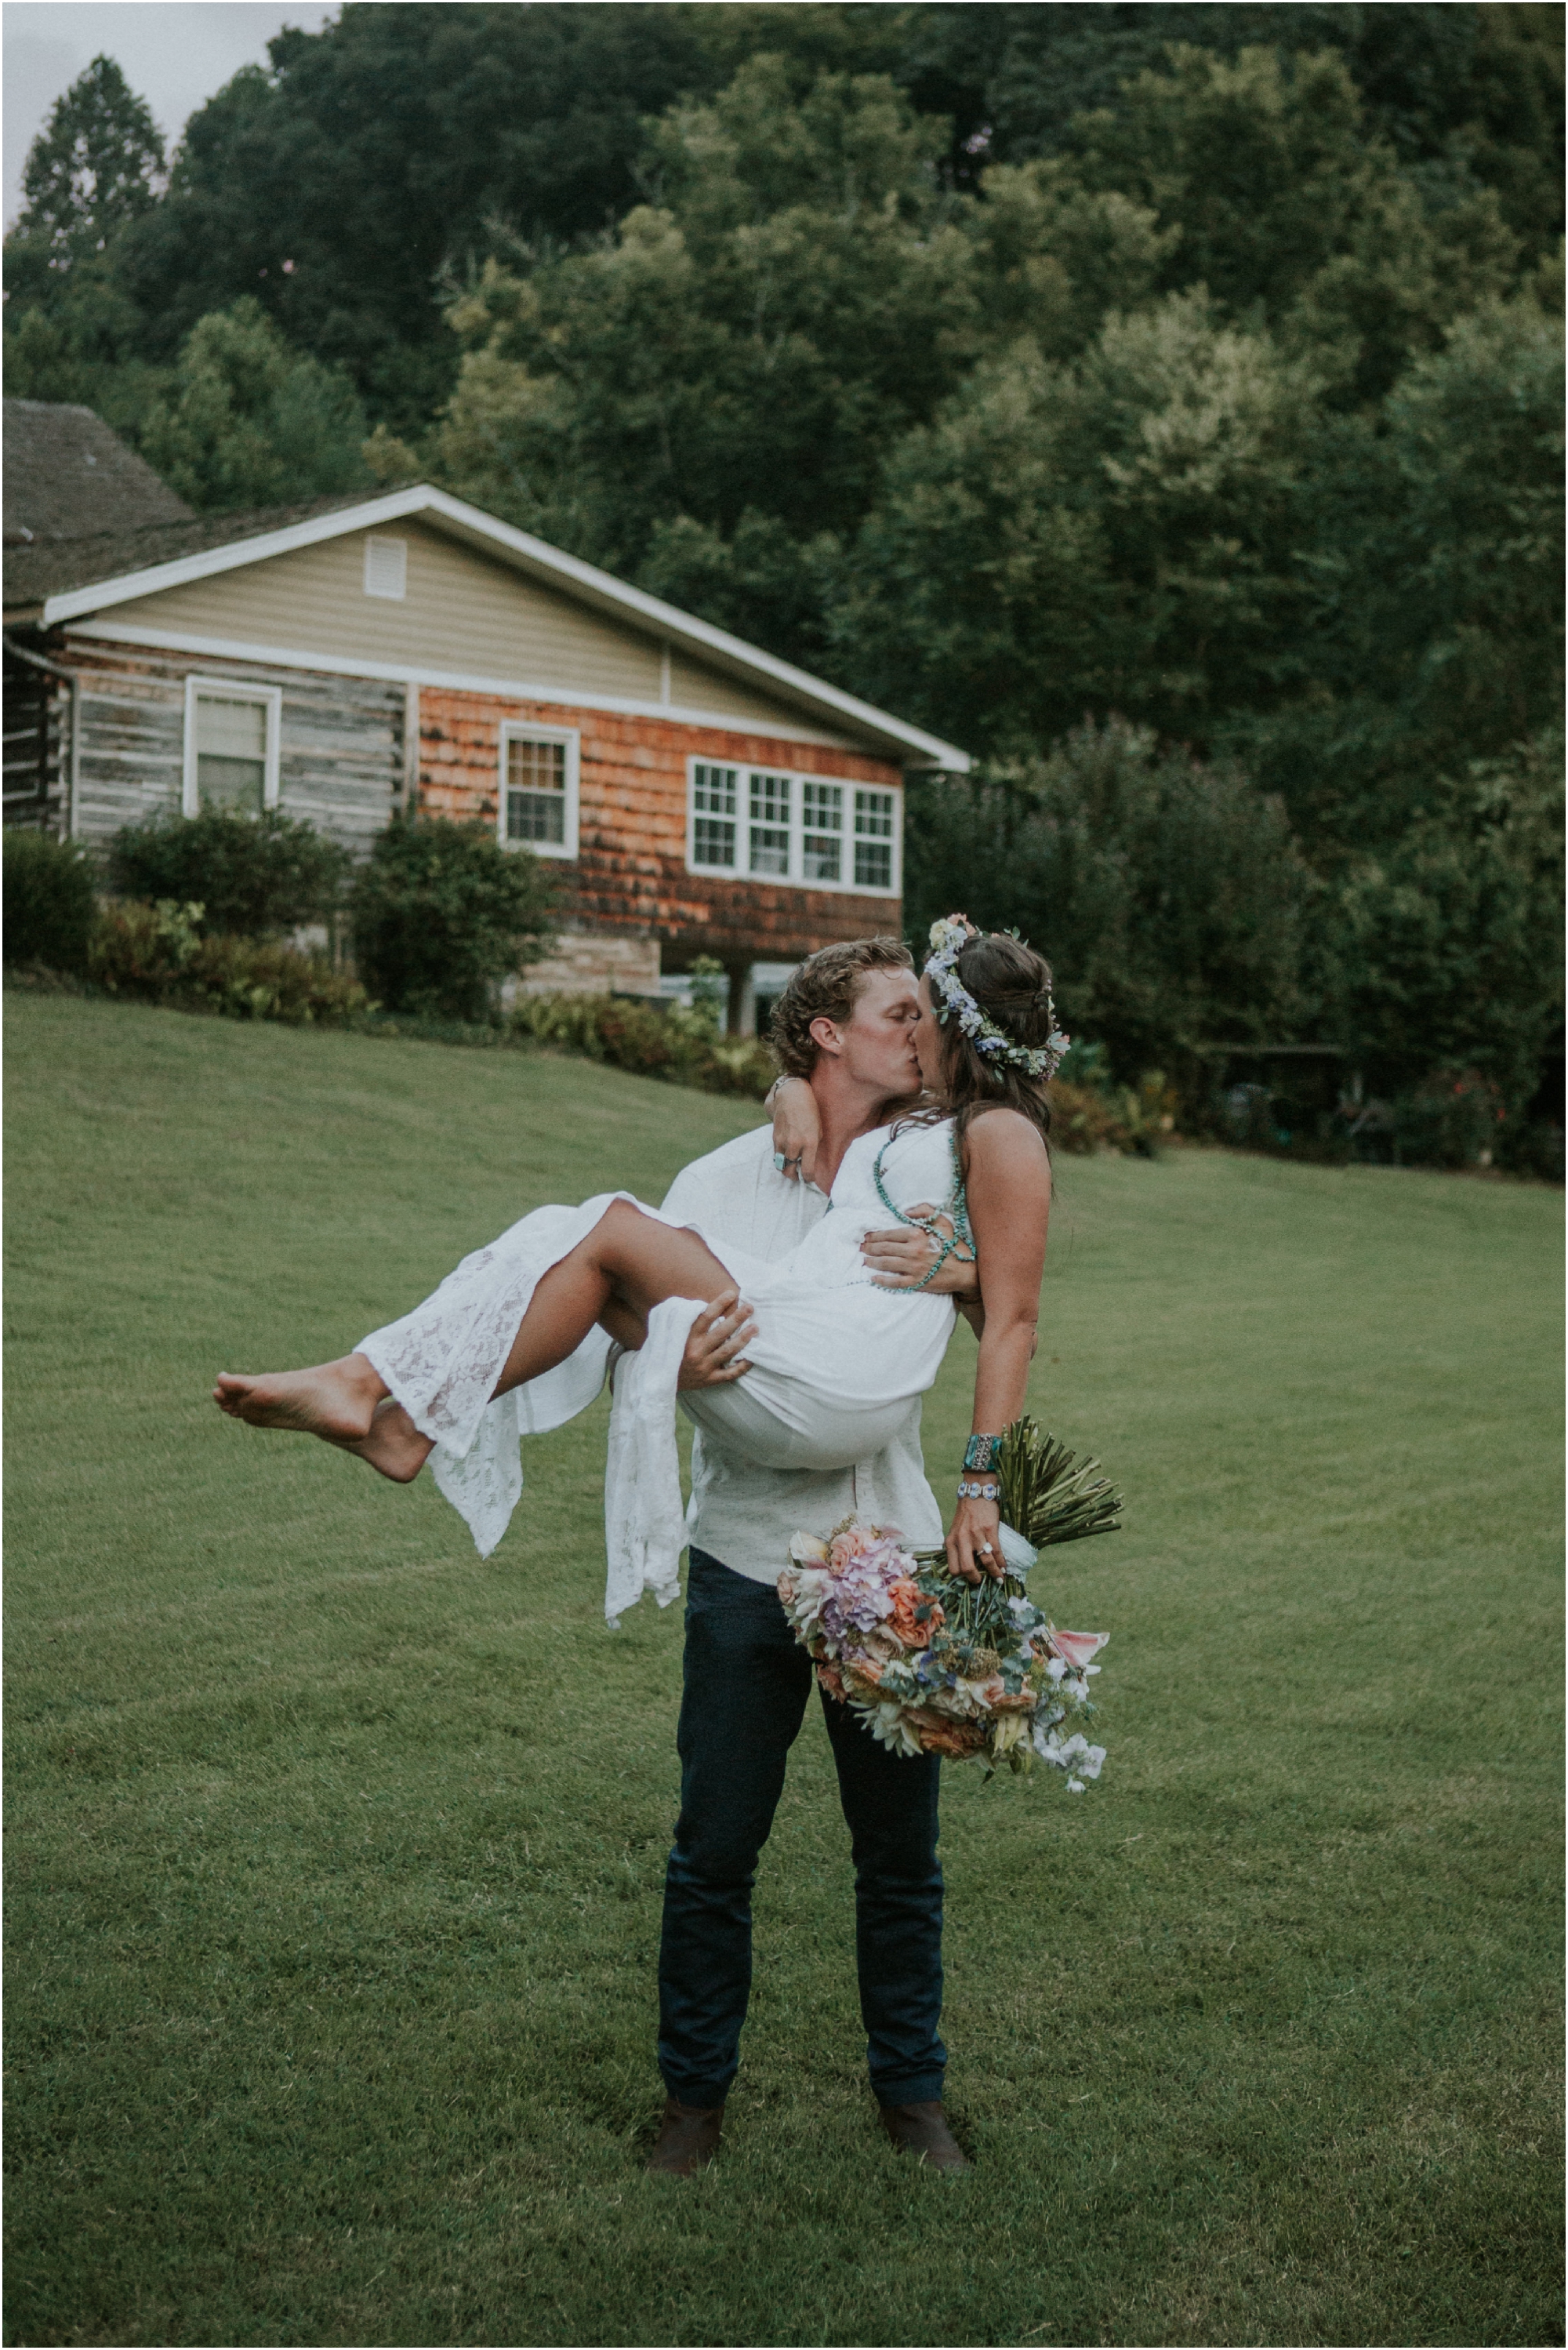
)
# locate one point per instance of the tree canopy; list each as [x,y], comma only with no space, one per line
[1168,393]
[94,168]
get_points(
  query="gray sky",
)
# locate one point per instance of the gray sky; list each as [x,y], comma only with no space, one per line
[173,53]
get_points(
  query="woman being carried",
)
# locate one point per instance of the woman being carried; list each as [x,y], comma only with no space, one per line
[516,1339]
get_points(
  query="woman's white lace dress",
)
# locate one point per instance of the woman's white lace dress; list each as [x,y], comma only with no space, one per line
[834,1358]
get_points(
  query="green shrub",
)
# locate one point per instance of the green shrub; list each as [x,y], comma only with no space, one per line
[1090,1111]
[253,876]
[1452,1120]
[159,953]
[650,1039]
[1531,1147]
[50,901]
[1445,951]
[441,913]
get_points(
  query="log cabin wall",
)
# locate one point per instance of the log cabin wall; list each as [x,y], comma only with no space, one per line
[630,873]
[37,723]
[341,739]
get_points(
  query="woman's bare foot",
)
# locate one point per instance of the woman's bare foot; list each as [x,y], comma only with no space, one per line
[394,1445]
[336,1401]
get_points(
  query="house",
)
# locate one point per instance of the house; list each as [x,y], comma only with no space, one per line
[362,656]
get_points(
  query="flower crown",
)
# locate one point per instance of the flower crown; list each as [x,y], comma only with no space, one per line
[949,939]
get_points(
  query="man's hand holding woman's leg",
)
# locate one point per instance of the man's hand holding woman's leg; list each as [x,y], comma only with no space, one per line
[716,1344]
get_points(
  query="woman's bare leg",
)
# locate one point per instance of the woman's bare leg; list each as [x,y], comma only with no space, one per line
[626,1267]
[394,1445]
[627,1264]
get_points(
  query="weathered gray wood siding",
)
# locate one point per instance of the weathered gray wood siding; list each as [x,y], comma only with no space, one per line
[341,747]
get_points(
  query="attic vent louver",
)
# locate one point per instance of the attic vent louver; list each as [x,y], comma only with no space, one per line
[387,568]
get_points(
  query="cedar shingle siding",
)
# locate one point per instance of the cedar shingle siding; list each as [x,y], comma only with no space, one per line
[629,872]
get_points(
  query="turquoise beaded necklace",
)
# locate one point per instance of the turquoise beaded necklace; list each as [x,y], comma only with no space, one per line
[956,1209]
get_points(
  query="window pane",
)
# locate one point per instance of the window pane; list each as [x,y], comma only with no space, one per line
[230,753]
[874,814]
[713,842]
[713,816]
[713,790]
[822,824]
[235,730]
[770,801]
[536,767]
[537,816]
[231,782]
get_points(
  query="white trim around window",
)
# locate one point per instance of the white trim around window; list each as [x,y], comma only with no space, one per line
[231,689]
[537,788]
[747,822]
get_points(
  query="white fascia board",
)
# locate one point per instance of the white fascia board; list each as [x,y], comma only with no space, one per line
[547,563]
[505,688]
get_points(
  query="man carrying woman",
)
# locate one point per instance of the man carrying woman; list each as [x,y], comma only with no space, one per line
[818,1375]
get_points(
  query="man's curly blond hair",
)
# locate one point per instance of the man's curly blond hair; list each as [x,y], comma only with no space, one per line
[824,988]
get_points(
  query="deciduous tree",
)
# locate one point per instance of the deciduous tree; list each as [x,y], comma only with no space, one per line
[248,422]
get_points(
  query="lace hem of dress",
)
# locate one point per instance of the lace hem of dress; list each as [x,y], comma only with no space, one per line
[441,1363]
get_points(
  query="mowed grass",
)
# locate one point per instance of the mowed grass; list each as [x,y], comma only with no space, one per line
[336,1854]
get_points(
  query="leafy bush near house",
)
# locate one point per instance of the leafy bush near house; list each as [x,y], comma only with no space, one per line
[253,876]
[684,1047]
[159,953]
[441,913]
[51,904]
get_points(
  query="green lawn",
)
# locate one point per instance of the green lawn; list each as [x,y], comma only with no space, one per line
[335,1855]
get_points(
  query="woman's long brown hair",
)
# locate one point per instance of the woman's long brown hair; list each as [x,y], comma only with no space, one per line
[1011,985]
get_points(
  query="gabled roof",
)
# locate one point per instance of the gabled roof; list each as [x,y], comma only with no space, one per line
[71,582]
[68,476]
[53,566]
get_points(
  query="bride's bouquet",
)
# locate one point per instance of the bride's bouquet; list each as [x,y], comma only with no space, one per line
[934,1665]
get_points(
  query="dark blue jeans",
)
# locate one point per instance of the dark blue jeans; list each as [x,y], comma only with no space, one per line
[746,1681]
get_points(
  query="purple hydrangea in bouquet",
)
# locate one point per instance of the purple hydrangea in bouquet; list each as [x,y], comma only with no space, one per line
[934,1665]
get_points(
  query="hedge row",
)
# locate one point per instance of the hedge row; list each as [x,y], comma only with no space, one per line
[169,951]
[157,953]
[653,1040]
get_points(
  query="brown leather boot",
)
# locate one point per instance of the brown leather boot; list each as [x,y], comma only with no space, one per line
[688,2138]
[922,2131]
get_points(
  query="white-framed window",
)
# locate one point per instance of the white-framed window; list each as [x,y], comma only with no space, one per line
[768,834]
[537,798]
[713,837]
[232,732]
[759,824]
[821,831]
[876,839]
[387,568]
